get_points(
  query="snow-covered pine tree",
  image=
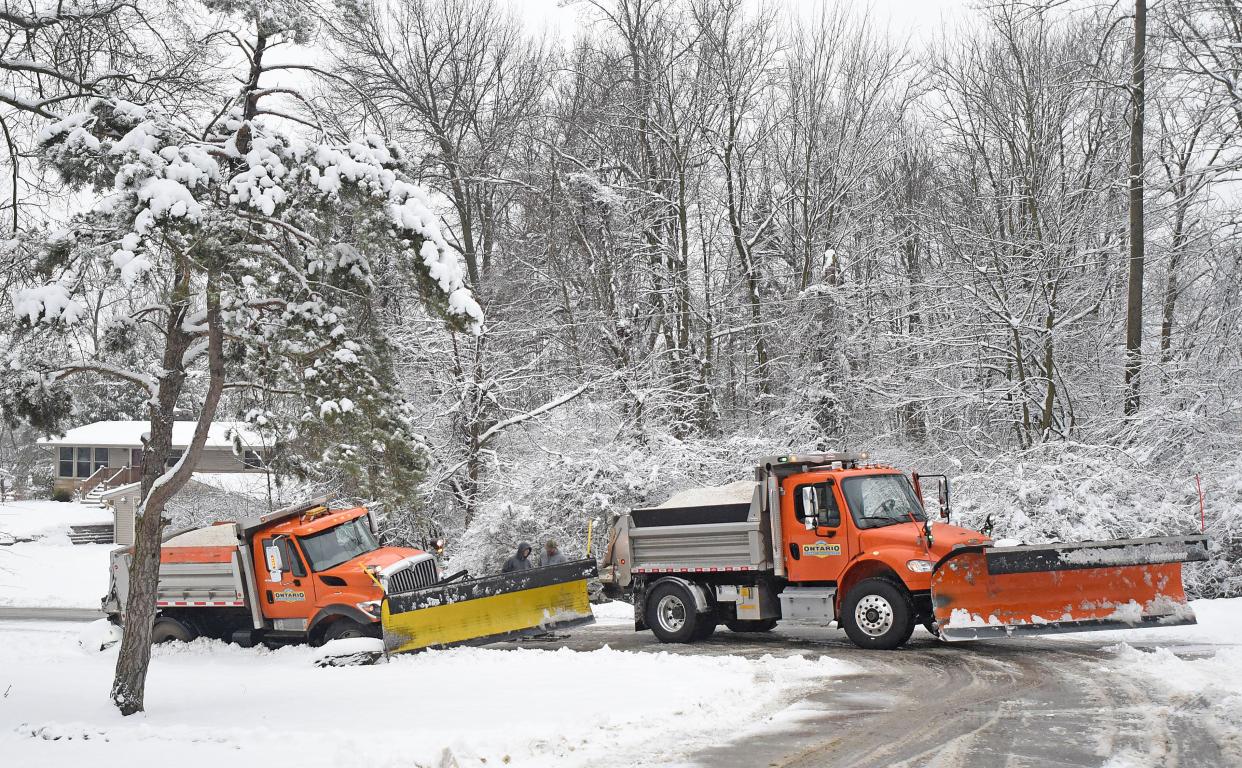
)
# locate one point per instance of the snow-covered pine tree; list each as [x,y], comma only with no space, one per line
[242,262]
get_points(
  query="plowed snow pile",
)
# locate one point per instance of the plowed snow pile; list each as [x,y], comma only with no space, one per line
[1200,669]
[209,704]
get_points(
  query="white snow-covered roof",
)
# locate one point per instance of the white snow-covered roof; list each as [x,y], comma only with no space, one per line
[738,492]
[128,434]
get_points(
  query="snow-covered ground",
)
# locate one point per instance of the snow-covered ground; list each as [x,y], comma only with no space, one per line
[50,571]
[1196,666]
[47,520]
[211,704]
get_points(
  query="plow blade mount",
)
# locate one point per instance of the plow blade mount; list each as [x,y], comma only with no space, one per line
[488,609]
[981,591]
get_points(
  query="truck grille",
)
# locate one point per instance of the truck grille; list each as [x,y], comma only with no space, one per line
[419,574]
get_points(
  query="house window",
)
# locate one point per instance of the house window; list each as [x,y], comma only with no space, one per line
[84,462]
[64,466]
[252,459]
[174,455]
[101,458]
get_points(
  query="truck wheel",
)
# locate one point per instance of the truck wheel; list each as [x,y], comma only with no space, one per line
[167,630]
[671,613]
[348,629]
[878,614]
[751,625]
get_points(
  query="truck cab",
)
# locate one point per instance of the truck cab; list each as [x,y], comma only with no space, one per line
[326,567]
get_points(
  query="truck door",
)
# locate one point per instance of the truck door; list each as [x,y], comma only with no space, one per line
[286,592]
[816,547]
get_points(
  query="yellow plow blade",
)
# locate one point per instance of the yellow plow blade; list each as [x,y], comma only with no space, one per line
[488,609]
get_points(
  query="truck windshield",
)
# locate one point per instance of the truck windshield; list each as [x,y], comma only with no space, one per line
[880,500]
[333,546]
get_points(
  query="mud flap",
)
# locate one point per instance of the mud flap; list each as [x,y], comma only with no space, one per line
[981,591]
[488,609]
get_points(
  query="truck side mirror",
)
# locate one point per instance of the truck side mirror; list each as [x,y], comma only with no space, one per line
[942,491]
[810,506]
[274,561]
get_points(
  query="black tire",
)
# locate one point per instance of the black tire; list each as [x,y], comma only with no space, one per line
[347,629]
[751,625]
[878,614]
[671,613]
[168,630]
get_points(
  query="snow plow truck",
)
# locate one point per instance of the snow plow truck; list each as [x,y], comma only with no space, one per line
[830,537]
[311,574]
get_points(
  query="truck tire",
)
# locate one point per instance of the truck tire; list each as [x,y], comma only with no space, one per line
[751,625]
[347,629]
[671,613]
[878,614]
[167,630]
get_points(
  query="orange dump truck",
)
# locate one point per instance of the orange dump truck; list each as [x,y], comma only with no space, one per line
[830,537]
[301,574]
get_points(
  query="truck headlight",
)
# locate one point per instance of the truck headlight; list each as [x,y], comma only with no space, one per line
[370,608]
[921,566]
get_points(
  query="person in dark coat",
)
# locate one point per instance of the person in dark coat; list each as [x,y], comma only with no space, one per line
[520,561]
[552,555]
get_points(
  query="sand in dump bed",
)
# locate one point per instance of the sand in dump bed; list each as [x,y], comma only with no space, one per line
[738,492]
[210,536]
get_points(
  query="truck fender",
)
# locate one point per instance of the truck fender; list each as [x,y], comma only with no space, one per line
[866,569]
[340,609]
[701,602]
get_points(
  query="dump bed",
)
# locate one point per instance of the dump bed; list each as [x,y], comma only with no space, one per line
[721,533]
[720,539]
[201,568]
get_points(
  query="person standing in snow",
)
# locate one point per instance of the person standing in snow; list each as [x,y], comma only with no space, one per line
[552,555]
[520,561]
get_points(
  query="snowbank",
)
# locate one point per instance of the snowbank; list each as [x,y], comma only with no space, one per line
[1213,682]
[208,704]
[54,575]
[1204,673]
[51,572]
[49,520]
[613,612]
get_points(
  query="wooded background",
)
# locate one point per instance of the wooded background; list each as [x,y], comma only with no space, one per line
[705,230]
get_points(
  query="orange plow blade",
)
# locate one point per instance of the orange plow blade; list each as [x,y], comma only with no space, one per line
[983,591]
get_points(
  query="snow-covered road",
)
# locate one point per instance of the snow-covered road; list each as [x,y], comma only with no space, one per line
[606,696]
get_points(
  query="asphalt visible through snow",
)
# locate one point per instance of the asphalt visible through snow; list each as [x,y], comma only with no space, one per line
[1033,702]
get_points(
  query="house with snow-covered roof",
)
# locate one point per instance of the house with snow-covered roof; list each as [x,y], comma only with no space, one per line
[95,458]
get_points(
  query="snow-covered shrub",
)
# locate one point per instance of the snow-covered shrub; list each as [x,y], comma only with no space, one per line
[540,495]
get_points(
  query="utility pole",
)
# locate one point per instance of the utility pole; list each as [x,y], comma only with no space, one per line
[1134,298]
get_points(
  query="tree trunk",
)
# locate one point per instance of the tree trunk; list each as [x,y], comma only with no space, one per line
[1134,298]
[129,683]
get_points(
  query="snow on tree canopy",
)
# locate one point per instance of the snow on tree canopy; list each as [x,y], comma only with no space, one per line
[155,169]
